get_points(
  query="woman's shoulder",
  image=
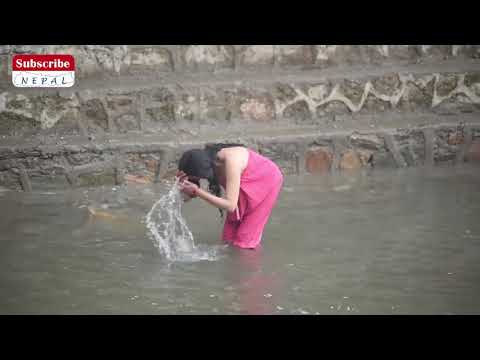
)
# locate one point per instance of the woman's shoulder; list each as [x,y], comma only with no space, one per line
[239,153]
[235,150]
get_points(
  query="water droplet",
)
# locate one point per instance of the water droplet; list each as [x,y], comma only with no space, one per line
[291,264]
[345,297]
[212,295]
[154,304]
[348,308]
[332,307]
[279,308]
[268,295]
[468,231]
[450,273]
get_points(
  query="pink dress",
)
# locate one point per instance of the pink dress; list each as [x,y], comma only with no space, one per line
[260,185]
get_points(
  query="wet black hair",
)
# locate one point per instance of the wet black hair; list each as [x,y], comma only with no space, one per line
[201,163]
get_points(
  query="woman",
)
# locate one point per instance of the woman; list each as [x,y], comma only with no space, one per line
[251,183]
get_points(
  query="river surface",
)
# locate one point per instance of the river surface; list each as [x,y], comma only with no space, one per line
[401,241]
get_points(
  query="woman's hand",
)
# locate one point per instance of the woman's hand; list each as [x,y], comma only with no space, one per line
[181,176]
[188,188]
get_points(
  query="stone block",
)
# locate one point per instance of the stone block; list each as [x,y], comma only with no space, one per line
[335,55]
[404,53]
[295,55]
[208,57]
[350,161]
[94,115]
[12,124]
[145,59]
[436,52]
[318,160]
[298,112]
[259,108]
[97,178]
[473,154]
[418,94]
[255,56]
[466,51]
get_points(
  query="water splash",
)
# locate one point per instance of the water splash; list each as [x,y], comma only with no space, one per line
[170,233]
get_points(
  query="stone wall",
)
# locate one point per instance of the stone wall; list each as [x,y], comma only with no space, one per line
[311,108]
[108,61]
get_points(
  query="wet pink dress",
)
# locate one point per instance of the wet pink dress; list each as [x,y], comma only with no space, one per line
[260,185]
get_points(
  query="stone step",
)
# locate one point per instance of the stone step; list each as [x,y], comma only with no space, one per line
[387,123]
[148,159]
[110,61]
[172,108]
[354,72]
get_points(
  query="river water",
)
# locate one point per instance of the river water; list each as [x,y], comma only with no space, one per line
[385,242]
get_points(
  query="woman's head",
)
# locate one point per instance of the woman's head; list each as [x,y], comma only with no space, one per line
[197,164]
[200,164]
